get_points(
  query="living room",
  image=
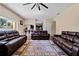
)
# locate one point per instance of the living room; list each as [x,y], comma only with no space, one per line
[29,30]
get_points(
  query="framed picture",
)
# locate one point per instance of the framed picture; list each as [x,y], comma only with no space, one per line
[21,22]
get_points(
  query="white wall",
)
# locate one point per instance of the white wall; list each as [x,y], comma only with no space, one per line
[51,26]
[30,22]
[12,16]
[69,20]
[44,25]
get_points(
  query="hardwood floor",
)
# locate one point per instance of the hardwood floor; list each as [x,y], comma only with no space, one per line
[39,48]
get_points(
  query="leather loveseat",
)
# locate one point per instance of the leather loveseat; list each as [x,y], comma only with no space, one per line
[10,41]
[40,35]
[68,41]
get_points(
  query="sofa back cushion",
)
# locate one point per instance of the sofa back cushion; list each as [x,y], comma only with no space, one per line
[2,35]
[16,34]
[9,35]
[35,33]
[43,33]
[64,32]
[71,33]
[76,39]
[77,34]
[68,35]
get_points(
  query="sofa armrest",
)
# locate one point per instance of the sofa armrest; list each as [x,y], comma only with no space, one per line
[2,42]
[75,50]
[25,37]
[22,35]
[3,49]
[56,35]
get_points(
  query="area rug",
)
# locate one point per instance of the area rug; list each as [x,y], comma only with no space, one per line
[39,48]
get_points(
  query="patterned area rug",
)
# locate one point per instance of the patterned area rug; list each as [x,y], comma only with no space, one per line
[39,48]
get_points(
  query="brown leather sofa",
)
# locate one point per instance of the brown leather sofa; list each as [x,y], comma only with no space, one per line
[40,35]
[10,41]
[68,41]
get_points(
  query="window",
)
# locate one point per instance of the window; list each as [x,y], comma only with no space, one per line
[6,23]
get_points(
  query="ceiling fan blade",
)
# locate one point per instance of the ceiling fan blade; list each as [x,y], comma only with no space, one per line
[27,3]
[44,5]
[33,6]
[39,7]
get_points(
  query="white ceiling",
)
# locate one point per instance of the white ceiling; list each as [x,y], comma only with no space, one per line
[27,13]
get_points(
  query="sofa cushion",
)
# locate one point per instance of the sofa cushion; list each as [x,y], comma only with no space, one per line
[3,42]
[15,33]
[9,34]
[64,36]
[64,32]
[12,34]
[14,41]
[71,33]
[75,51]
[76,44]
[43,33]
[68,44]
[14,44]
[67,50]
[70,38]
[40,35]
[59,39]
[77,34]
[76,39]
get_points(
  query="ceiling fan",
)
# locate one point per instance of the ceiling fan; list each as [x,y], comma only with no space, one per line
[37,5]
